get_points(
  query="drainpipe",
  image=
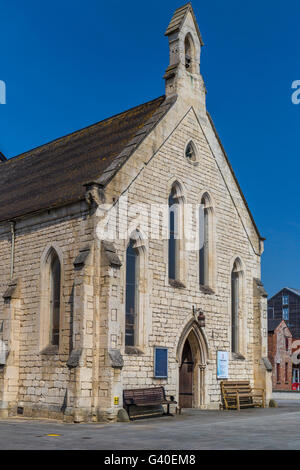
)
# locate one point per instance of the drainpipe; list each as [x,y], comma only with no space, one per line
[12,259]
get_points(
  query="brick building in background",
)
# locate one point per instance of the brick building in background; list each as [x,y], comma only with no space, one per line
[280,354]
[285,305]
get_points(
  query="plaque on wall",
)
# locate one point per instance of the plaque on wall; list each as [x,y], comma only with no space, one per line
[222,364]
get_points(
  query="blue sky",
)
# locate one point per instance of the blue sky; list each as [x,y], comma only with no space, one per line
[68,64]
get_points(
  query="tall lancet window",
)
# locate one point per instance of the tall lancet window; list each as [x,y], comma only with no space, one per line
[205,229]
[235,305]
[132,268]
[173,235]
[204,247]
[55,280]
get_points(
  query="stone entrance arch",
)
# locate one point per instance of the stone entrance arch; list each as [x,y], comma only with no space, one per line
[192,354]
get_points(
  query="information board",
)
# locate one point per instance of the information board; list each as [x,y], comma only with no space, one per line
[222,364]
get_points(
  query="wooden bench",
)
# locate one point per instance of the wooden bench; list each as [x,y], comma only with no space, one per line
[143,397]
[237,395]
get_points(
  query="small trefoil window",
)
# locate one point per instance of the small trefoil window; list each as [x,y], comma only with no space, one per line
[190,152]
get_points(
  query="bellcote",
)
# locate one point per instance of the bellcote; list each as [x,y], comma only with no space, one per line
[185,42]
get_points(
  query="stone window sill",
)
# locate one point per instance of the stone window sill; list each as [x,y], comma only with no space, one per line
[133,351]
[176,284]
[50,350]
[206,290]
[237,357]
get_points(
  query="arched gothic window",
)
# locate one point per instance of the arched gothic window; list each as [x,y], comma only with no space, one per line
[173,252]
[132,273]
[205,239]
[136,295]
[55,280]
[175,231]
[236,276]
[50,306]
[189,52]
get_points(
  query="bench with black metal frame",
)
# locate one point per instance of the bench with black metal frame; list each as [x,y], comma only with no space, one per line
[146,397]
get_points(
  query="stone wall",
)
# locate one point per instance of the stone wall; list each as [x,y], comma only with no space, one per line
[158,163]
[42,377]
[93,298]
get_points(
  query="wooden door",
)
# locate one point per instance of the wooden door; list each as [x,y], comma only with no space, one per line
[186,377]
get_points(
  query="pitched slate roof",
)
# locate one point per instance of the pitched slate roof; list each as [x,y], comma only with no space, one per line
[178,19]
[295,291]
[54,174]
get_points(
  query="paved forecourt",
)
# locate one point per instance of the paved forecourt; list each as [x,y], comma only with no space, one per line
[193,430]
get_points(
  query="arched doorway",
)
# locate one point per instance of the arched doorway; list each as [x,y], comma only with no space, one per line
[192,354]
[186,377]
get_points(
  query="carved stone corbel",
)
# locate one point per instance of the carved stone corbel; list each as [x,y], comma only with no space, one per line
[199,316]
[94,194]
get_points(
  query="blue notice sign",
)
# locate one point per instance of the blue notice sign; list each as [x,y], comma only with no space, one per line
[161,362]
[222,364]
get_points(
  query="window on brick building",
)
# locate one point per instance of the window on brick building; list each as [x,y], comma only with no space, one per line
[286,372]
[278,372]
[286,343]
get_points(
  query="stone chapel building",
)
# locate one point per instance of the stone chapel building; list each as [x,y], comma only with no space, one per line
[83,315]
